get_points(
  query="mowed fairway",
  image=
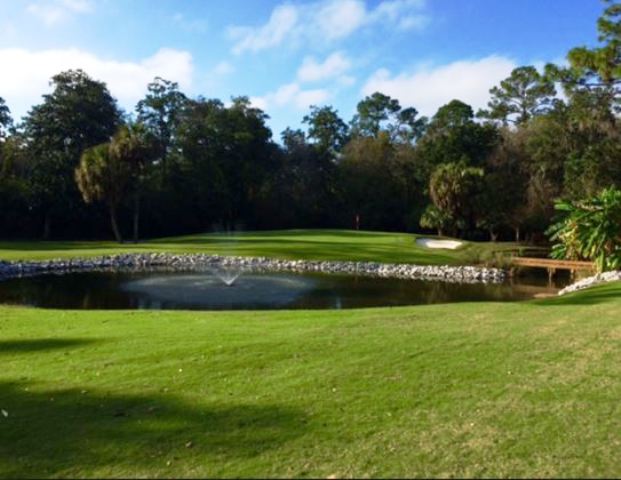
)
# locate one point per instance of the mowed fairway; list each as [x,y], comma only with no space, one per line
[514,389]
[297,244]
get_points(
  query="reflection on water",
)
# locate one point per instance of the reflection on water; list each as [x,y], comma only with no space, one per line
[207,291]
[195,290]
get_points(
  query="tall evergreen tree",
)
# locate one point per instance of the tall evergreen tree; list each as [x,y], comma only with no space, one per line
[160,111]
[327,130]
[78,114]
[523,95]
[5,119]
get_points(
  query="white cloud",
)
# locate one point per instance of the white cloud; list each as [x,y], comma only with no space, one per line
[223,69]
[217,75]
[196,25]
[346,80]
[259,102]
[339,18]
[428,88]
[404,14]
[291,94]
[326,21]
[282,22]
[53,12]
[127,80]
[413,22]
[79,6]
[334,65]
[305,98]
[7,30]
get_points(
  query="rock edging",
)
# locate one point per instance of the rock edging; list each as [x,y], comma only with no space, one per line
[446,273]
[598,279]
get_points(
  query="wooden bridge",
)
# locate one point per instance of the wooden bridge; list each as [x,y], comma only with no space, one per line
[553,265]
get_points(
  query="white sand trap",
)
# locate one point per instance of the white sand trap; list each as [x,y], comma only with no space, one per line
[443,244]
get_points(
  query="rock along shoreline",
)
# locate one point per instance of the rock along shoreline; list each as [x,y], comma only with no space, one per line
[198,262]
[598,279]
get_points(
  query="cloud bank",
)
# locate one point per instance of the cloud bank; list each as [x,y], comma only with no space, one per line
[291,95]
[335,65]
[324,22]
[53,12]
[31,72]
[428,88]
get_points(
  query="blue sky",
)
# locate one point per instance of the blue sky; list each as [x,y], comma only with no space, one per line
[287,55]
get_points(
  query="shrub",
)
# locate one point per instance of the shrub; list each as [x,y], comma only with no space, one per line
[590,230]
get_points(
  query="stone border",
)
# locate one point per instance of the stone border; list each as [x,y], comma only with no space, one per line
[598,279]
[143,261]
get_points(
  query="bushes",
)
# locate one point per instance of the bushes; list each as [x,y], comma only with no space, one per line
[590,230]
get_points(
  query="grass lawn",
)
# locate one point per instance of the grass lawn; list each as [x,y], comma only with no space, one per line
[513,389]
[298,244]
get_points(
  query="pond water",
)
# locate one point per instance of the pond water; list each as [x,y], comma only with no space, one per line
[205,291]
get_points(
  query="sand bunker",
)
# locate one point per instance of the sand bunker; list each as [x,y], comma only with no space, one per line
[443,244]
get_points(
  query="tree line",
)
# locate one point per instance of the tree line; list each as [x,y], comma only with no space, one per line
[77,166]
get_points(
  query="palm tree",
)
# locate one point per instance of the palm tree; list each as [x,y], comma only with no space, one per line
[452,188]
[591,230]
[136,149]
[103,176]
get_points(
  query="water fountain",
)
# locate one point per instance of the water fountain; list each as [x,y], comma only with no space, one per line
[227,275]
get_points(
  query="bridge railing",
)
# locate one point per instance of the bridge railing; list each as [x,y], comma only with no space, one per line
[551,263]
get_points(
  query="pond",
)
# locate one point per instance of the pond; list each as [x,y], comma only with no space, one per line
[253,291]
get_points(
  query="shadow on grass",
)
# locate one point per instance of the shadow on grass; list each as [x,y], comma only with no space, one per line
[62,245]
[26,346]
[72,432]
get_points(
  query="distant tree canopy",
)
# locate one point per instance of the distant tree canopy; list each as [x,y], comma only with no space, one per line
[77,165]
[522,96]
[379,112]
[327,130]
[78,114]
[5,118]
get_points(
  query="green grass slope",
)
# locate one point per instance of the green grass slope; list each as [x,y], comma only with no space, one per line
[514,389]
[292,244]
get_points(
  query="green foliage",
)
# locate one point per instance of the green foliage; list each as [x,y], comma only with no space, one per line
[207,163]
[79,113]
[453,115]
[504,201]
[591,230]
[596,71]
[160,112]
[369,179]
[109,172]
[303,185]
[372,111]
[380,112]
[225,157]
[525,94]
[5,119]
[452,188]
[489,258]
[453,136]
[135,145]
[326,129]
[101,175]
[437,219]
